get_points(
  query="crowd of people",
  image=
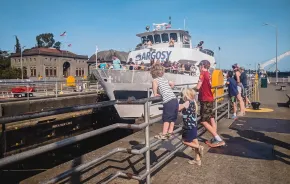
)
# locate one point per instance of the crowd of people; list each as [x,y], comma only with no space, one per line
[237,83]
[172,67]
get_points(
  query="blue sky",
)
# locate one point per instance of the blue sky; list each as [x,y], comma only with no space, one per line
[236,26]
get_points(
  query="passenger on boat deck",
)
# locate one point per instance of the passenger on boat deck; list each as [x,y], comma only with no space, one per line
[187,67]
[157,61]
[142,66]
[103,65]
[132,65]
[167,66]
[192,70]
[152,62]
[149,43]
[199,45]
[182,69]
[171,42]
[174,67]
[116,63]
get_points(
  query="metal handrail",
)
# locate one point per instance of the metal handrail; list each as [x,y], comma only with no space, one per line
[145,149]
[10,119]
[24,155]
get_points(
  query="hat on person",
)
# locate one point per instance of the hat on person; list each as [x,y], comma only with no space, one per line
[205,63]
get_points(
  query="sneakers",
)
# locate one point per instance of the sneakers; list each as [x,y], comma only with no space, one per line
[210,141]
[214,143]
[217,144]
[234,117]
[197,162]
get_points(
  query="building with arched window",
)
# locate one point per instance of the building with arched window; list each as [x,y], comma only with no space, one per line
[50,63]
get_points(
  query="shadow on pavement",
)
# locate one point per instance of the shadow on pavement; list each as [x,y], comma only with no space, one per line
[262,124]
[241,147]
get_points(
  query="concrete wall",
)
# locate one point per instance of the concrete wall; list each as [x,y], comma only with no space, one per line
[17,108]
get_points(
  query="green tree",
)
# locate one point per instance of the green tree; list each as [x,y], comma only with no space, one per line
[17,45]
[57,45]
[4,59]
[45,40]
[6,72]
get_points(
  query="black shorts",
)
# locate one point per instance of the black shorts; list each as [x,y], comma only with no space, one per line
[170,111]
[189,135]
[206,111]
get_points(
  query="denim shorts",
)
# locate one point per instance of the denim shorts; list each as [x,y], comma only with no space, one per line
[170,111]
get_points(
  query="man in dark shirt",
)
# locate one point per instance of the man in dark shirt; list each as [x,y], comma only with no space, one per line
[187,67]
[244,81]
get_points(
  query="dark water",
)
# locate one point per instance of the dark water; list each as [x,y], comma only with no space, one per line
[281,74]
[25,169]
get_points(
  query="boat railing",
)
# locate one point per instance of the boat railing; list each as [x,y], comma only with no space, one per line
[138,76]
[221,108]
[186,45]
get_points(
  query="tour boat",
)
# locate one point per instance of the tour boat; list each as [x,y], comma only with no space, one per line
[122,84]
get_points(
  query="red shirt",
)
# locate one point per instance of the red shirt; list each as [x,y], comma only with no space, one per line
[205,94]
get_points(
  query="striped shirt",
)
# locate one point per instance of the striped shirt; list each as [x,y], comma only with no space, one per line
[165,90]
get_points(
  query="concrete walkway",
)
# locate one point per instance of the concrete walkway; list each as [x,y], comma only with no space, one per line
[257,151]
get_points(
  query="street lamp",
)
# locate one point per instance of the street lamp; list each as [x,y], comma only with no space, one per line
[21,61]
[266,24]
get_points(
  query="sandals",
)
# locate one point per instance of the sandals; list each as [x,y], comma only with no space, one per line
[197,162]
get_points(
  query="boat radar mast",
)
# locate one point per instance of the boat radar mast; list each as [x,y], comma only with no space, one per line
[162,26]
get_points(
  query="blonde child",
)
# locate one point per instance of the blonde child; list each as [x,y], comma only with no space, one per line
[170,103]
[189,135]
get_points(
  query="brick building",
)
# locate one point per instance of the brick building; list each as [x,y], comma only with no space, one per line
[50,63]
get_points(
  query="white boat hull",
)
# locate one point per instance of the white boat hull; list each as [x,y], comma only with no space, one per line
[122,85]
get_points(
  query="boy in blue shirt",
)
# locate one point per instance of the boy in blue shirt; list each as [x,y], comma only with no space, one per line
[233,91]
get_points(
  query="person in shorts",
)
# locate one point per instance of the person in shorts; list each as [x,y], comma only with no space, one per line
[244,81]
[170,102]
[237,77]
[189,128]
[233,92]
[206,99]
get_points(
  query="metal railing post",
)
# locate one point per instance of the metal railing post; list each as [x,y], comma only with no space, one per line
[229,107]
[3,137]
[216,103]
[27,92]
[147,137]
[56,89]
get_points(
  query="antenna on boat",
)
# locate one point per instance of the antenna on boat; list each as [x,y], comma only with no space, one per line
[184,23]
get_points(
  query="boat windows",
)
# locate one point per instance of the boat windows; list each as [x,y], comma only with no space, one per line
[150,37]
[143,39]
[208,52]
[157,38]
[165,38]
[173,36]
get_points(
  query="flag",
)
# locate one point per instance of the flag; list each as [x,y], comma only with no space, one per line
[63,34]
[168,26]
[69,45]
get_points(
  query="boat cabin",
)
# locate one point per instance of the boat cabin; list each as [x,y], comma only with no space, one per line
[162,37]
